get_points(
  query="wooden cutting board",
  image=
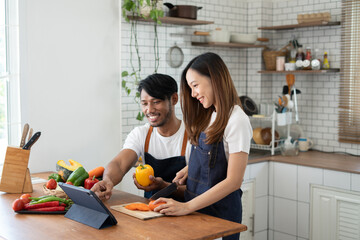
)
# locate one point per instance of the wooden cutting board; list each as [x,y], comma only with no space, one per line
[143,215]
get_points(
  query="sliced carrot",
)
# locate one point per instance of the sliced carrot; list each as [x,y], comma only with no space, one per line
[152,206]
[138,206]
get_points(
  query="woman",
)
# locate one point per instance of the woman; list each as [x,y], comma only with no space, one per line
[220,134]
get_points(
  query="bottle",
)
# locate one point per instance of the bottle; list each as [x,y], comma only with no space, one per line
[300,54]
[326,64]
[315,63]
[307,61]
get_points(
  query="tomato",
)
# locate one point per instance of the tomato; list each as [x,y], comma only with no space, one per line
[152,206]
[51,184]
[25,198]
[142,173]
[70,183]
[18,205]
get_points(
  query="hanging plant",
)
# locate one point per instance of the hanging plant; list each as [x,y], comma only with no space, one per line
[146,9]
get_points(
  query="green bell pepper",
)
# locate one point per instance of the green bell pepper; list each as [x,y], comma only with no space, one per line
[55,176]
[78,176]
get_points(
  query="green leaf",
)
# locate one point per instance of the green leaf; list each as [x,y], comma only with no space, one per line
[137,94]
[140,116]
[123,84]
[124,74]
[128,91]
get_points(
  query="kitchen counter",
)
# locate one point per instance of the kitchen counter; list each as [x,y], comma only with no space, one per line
[40,226]
[331,161]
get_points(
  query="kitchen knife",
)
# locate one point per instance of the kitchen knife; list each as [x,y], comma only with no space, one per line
[165,192]
[24,133]
[30,134]
[32,140]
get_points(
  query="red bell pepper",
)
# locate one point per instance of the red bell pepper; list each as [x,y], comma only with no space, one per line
[50,209]
[42,205]
[90,182]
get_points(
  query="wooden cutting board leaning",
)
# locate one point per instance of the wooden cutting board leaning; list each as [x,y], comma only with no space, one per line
[143,215]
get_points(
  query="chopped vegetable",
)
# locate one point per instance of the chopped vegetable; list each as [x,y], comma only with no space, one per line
[138,206]
[152,206]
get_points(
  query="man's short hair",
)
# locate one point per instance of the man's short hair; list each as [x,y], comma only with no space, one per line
[159,86]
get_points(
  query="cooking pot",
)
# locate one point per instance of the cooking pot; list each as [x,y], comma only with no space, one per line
[217,35]
[182,11]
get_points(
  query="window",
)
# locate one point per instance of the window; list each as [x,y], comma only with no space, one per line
[9,76]
[349,113]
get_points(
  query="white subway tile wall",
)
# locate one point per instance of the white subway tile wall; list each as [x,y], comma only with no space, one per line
[319,98]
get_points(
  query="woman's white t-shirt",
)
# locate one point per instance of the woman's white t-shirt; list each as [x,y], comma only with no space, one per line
[160,147]
[238,132]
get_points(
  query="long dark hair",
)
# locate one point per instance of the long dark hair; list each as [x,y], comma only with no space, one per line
[196,117]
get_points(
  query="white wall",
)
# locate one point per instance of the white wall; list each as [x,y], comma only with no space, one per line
[69,53]
[318,103]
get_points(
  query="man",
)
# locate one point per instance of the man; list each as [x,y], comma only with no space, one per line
[162,142]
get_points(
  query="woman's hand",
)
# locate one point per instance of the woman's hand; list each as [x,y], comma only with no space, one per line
[181,176]
[157,183]
[172,207]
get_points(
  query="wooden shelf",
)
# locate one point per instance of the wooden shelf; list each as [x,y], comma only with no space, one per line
[331,70]
[300,25]
[223,44]
[175,20]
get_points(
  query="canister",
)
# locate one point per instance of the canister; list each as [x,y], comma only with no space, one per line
[280,62]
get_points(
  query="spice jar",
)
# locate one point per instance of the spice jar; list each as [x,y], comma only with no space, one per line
[307,61]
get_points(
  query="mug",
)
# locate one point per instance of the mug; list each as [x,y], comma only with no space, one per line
[305,144]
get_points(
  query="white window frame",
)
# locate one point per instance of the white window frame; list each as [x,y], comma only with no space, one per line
[12,76]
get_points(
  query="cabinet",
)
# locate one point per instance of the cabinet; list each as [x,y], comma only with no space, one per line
[335,214]
[301,25]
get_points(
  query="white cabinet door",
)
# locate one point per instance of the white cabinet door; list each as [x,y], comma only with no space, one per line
[248,210]
[335,214]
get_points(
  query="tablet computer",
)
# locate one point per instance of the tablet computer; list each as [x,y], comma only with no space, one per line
[87,207]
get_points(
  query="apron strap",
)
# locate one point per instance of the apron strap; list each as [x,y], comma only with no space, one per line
[147,140]
[184,143]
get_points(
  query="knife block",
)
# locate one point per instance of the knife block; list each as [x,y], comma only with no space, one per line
[15,176]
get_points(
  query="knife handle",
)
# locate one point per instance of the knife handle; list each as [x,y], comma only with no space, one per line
[24,133]
[32,141]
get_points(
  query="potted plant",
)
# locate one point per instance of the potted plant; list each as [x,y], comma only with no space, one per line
[132,10]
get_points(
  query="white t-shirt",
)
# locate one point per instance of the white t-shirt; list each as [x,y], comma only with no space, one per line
[238,132]
[160,147]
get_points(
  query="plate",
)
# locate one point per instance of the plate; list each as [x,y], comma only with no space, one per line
[39,212]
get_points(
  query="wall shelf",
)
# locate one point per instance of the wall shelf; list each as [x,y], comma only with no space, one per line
[174,20]
[224,44]
[331,70]
[300,25]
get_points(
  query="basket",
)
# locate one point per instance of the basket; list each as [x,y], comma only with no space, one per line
[270,57]
[54,192]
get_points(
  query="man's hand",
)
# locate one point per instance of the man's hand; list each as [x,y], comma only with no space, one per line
[181,176]
[103,189]
[157,184]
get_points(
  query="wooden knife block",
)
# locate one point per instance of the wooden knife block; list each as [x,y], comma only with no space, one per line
[15,176]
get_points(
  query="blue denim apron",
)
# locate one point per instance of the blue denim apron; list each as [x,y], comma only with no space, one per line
[207,167]
[164,168]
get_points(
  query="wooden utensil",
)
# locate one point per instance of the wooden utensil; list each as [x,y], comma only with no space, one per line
[30,134]
[24,133]
[290,80]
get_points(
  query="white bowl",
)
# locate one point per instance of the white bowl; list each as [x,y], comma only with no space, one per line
[243,38]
